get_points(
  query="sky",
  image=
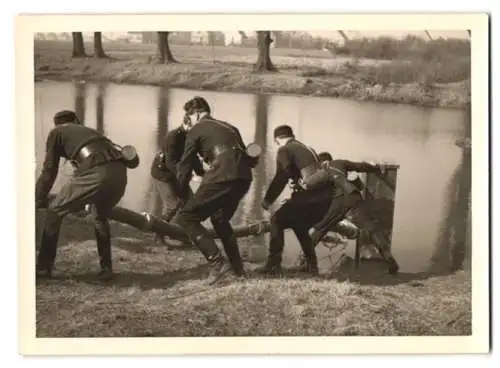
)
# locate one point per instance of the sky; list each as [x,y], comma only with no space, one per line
[335,36]
[353,34]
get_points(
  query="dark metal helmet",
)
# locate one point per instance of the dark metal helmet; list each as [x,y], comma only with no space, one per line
[196,104]
[65,116]
[283,131]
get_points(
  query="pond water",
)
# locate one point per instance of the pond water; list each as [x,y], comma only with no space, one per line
[419,140]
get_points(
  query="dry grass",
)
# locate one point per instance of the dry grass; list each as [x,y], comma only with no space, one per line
[162,293]
[312,72]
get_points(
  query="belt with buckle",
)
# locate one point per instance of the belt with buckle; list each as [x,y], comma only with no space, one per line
[90,148]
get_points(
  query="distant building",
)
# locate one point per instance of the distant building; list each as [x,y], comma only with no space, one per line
[214,38]
[180,38]
[235,38]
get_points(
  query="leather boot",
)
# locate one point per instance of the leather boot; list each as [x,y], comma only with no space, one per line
[219,266]
[46,255]
[233,254]
[269,269]
[307,266]
[309,262]
[272,267]
[276,245]
[317,235]
[104,251]
[311,267]
[219,269]
[43,273]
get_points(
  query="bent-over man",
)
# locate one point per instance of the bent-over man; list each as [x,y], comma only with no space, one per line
[348,199]
[295,161]
[100,179]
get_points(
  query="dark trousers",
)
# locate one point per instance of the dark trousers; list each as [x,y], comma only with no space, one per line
[217,201]
[102,186]
[299,213]
[171,202]
[358,211]
[170,198]
[339,206]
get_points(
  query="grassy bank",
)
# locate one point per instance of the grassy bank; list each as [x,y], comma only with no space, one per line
[162,293]
[438,82]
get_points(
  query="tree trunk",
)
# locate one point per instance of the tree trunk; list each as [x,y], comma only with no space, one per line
[78,47]
[264,63]
[98,50]
[164,54]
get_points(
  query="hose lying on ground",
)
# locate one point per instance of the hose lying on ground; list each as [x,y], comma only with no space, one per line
[150,223]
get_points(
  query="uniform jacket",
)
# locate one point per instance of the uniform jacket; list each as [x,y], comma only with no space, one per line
[290,159]
[164,167]
[65,141]
[201,139]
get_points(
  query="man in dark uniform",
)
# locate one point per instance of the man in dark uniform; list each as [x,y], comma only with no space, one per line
[295,162]
[164,173]
[221,189]
[348,202]
[100,179]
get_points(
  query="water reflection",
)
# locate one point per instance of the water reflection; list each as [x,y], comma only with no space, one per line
[433,173]
[256,211]
[99,108]
[162,129]
[455,232]
[80,100]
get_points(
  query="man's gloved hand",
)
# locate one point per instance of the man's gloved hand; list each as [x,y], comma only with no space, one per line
[183,194]
[383,169]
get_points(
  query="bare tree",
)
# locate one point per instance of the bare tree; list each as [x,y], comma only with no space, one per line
[78,46]
[243,35]
[344,36]
[98,50]
[164,54]
[264,41]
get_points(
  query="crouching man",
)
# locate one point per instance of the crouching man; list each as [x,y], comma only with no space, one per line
[348,202]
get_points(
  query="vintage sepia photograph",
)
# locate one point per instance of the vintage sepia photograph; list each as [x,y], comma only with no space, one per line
[255,182]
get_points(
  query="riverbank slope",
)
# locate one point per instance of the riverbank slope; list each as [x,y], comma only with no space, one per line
[162,293]
[301,72]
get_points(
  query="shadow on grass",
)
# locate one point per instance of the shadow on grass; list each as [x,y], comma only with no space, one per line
[147,245]
[77,229]
[374,272]
[370,273]
[144,281]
